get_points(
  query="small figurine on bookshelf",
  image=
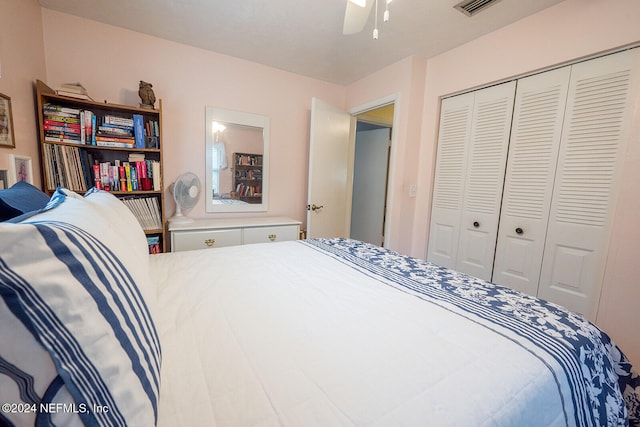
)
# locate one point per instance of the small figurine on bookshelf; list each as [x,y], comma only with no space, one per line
[146,94]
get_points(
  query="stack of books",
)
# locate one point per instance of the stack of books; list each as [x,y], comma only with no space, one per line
[67,124]
[62,124]
[74,90]
[116,131]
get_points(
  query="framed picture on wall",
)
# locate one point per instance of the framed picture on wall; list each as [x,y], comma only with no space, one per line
[4,176]
[20,169]
[6,123]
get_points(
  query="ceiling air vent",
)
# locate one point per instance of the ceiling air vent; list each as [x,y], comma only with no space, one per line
[471,7]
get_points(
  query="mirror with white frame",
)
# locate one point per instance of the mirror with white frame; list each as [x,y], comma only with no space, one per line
[237,161]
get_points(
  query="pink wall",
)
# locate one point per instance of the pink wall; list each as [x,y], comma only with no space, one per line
[21,63]
[568,31]
[187,79]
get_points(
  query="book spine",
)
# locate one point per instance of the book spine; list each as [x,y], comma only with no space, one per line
[127,171]
[120,121]
[96,176]
[138,130]
[123,179]
[134,178]
[93,129]
[61,138]
[83,128]
[62,119]
[114,144]
[60,109]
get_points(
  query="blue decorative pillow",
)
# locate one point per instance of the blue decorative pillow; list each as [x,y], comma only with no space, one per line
[72,305]
[22,197]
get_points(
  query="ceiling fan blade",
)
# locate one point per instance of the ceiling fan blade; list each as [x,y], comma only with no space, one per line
[355,17]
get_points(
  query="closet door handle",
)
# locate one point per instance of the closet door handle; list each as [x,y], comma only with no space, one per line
[476,224]
[519,230]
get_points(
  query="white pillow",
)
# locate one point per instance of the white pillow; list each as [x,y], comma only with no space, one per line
[111,222]
[73,277]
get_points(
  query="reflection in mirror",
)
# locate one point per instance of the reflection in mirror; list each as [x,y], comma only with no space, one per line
[236,161]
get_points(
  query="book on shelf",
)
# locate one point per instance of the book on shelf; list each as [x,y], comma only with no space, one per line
[75,87]
[154,244]
[136,157]
[74,90]
[118,121]
[138,130]
[146,210]
[105,141]
[74,95]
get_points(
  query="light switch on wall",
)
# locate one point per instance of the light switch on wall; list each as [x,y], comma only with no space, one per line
[413,189]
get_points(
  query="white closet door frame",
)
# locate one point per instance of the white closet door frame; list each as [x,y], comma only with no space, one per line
[533,154]
[453,140]
[602,94]
[484,181]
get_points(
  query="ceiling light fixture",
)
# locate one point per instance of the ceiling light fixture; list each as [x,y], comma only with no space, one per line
[385,17]
[375,26]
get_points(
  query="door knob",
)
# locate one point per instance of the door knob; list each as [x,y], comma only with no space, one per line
[476,224]
[314,207]
[519,230]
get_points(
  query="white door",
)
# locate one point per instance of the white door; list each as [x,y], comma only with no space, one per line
[330,171]
[486,163]
[370,185]
[597,126]
[533,155]
[448,191]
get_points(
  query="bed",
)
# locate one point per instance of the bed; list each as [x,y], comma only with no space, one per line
[322,332]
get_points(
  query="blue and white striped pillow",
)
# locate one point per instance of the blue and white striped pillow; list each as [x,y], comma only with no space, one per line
[78,298]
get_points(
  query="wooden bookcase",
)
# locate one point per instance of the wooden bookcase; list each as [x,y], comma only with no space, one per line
[247,177]
[78,152]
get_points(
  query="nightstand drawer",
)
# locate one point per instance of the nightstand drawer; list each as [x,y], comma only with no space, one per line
[203,239]
[270,234]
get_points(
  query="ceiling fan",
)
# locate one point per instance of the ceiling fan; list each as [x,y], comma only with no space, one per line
[357,13]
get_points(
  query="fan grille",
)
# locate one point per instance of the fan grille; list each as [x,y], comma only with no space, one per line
[183,189]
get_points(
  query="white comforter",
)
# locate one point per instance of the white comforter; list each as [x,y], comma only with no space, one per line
[287,335]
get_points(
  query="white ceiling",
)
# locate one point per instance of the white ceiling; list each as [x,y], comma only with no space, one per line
[304,36]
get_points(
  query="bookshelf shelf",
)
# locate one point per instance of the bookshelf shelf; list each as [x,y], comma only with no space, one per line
[114,147]
[247,177]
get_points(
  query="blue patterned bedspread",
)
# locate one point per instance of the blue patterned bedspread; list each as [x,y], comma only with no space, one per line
[605,388]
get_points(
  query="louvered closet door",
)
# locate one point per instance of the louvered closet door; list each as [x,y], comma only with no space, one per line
[597,125]
[448,193]
[531,166]
[490,129]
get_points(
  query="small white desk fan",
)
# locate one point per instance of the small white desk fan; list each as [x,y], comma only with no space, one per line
[186,190]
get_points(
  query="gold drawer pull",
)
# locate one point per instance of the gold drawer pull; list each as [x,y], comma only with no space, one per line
[272,237]
[209,242]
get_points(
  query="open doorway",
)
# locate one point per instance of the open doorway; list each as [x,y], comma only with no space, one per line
[331,168]
[371,174]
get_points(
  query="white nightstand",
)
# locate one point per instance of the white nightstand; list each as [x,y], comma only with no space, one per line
[216,233]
